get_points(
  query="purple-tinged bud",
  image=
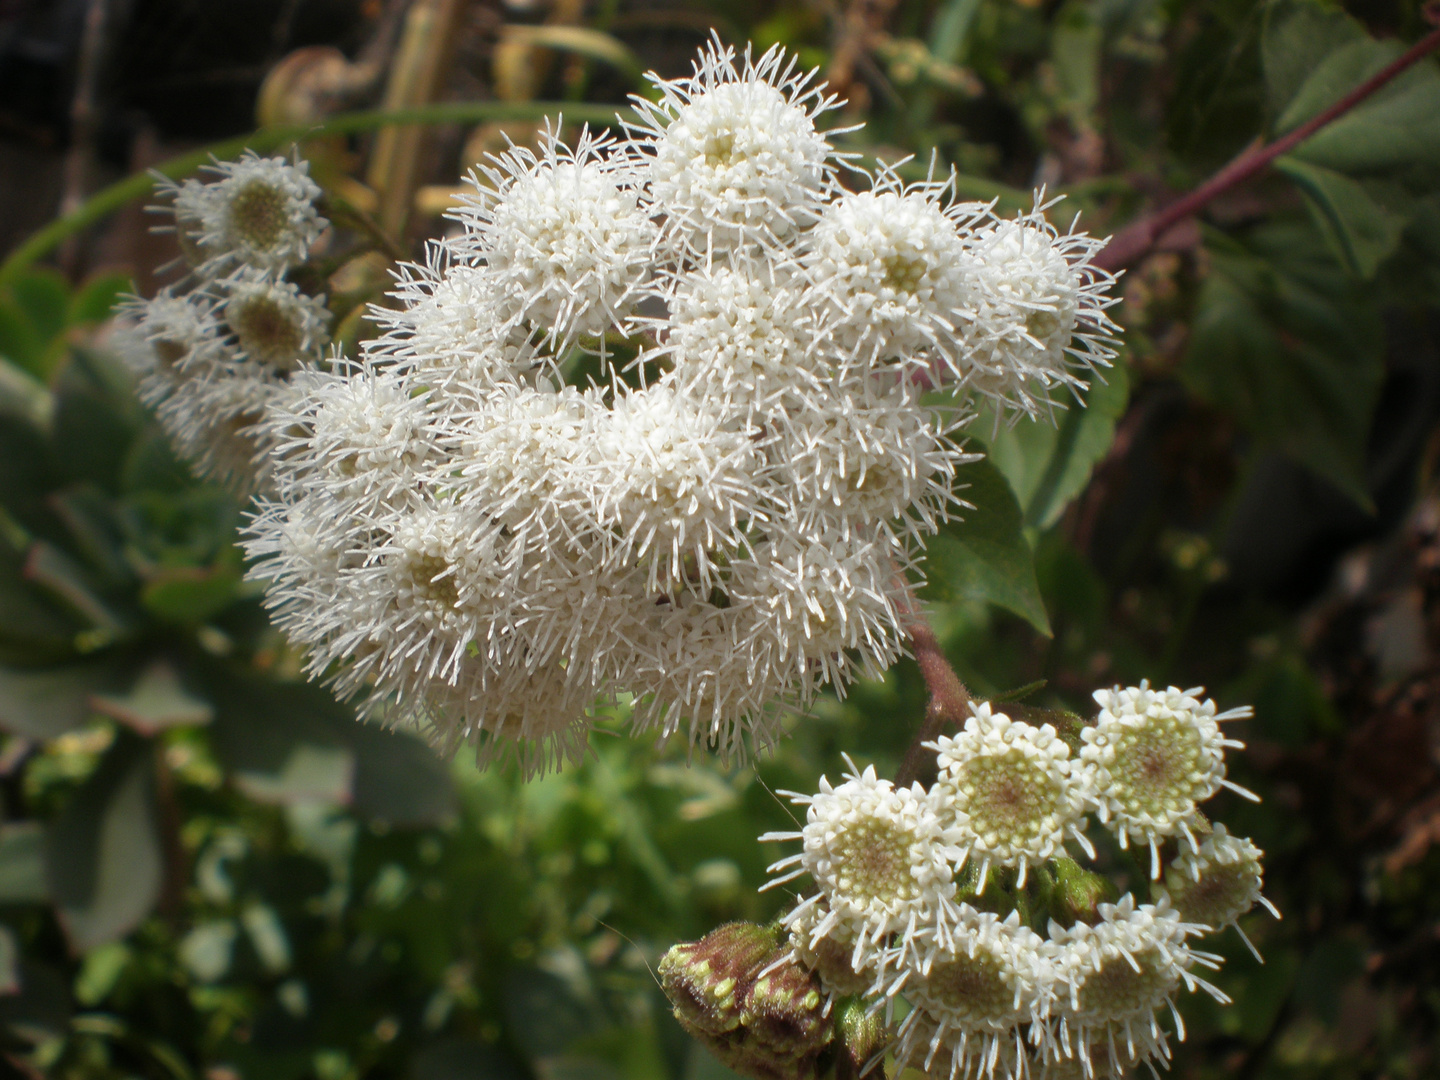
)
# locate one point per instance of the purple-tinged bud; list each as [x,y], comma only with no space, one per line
[705,980]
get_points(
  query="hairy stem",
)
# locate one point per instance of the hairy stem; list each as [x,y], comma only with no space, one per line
[949,705]
[1135,240]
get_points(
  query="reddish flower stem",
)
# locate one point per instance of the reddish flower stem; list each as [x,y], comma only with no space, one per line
[949,705]
[1136,239]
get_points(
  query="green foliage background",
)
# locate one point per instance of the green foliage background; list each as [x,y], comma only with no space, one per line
[208,869]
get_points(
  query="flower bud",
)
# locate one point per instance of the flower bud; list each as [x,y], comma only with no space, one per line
[1067,724]
[1077,893]
[785,1012]
[705,980]
[861,1035]
[753,1004]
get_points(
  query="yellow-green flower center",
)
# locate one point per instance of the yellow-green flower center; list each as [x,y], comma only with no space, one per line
[258,215]
[872,863]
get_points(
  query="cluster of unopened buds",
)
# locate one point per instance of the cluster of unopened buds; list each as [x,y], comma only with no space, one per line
[646,428]
[966,901]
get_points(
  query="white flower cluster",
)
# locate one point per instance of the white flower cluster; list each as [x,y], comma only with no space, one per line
[648,427]
[210,359]
[1039,972]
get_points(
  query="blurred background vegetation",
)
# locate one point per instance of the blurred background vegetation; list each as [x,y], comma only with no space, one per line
[209,871]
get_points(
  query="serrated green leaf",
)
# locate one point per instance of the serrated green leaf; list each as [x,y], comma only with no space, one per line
[1361,232]
[1282,342]
[986,557]
[103,857]
[1048,464]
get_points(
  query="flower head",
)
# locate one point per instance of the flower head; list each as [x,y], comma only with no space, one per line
[1113,978]
[565,244]
[970,1000]
[274,323]
[888,268]
[677,484]
[738,335]
[732,156]
[881,858]
[1218,882]
[1154,755]
[261,213]
[1010,789]
[358,435]
[1035,312]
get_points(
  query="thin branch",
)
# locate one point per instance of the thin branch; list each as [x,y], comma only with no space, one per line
[1136,239]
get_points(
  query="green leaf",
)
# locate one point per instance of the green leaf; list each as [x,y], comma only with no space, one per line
[103,856]
[22,863]
[1075,47]
[26,479]
[56,572]
[96,299]
[309,773]
[96,419]
[33,628]
[1283,341]
[399,779]
[1361,232]
[191,595]
[90,517]
[47,703]
[1048,464]
[1398,126]
[100,971]
[20,342]
[1298,36]
[293,742]
[156,702]
[44,297]
[986,556]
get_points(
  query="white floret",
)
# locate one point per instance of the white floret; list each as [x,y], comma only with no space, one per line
[565,244]
[260,213]
[731,154]
[883,863]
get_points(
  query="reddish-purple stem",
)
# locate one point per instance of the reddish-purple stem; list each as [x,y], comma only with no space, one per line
[949,705]
[1135,240]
